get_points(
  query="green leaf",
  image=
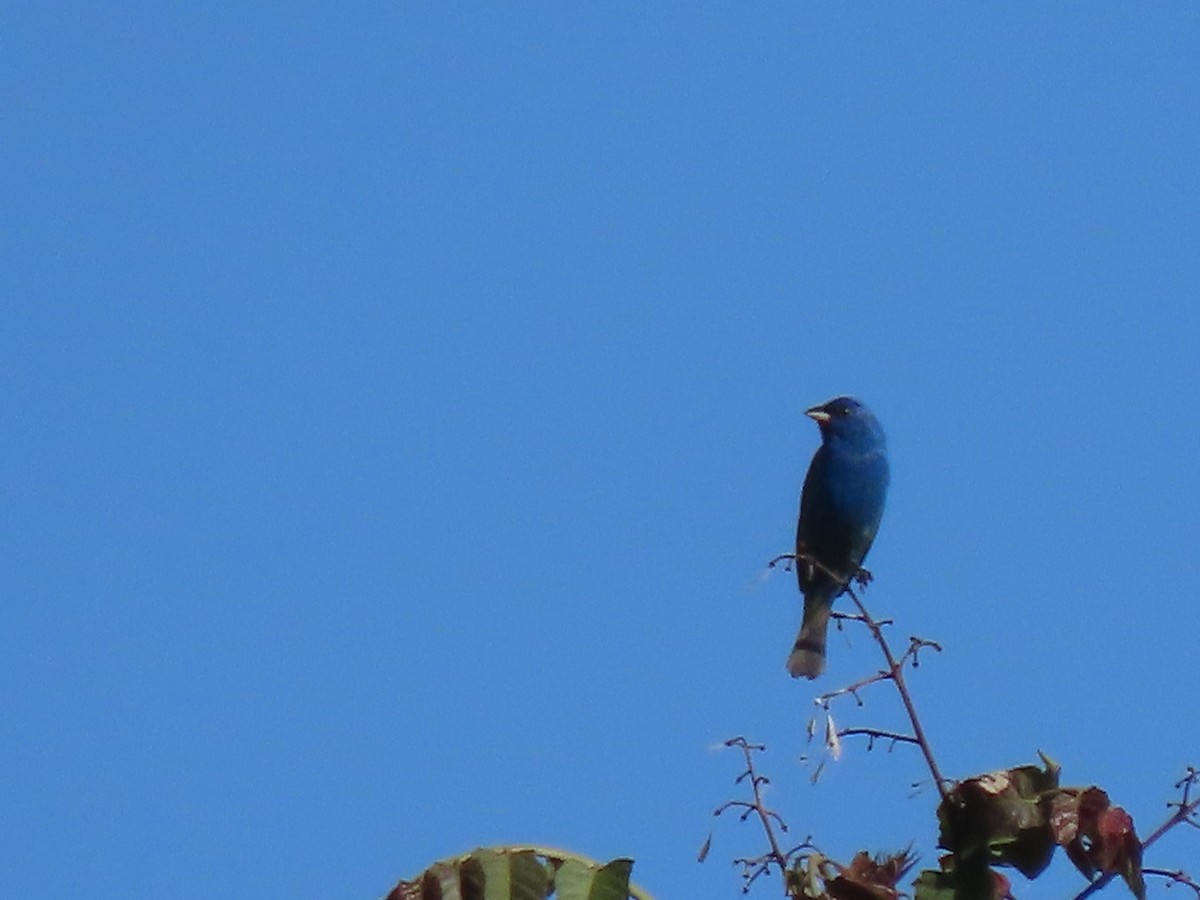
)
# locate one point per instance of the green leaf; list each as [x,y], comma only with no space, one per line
[955,882]
[934,885]
[580,880]
[999,818]
[521,873]
[513,876]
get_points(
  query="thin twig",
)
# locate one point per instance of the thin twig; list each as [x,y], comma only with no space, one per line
[852,689]
[788,558]
[1175,876]
[879,734]
[855,617]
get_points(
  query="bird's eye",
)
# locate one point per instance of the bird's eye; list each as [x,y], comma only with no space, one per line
[845,410]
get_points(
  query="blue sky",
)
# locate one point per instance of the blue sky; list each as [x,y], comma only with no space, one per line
[402,402]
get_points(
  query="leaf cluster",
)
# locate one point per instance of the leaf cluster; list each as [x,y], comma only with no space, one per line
[1018,817]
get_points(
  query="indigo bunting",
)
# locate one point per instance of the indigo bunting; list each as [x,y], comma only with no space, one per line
[840,509]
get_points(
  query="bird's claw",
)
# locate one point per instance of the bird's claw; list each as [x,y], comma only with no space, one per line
[863,577]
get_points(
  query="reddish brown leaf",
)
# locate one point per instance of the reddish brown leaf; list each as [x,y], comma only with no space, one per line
[1114,837]
[405,890]
[1063,816]
[870,878]
[1097,836]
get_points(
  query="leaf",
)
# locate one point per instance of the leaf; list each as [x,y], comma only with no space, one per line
[999,818]
[956,882]
[870,878]
[807,876]
[520,873]
[832,742]
[933,885]
[579,880]
[1097,836]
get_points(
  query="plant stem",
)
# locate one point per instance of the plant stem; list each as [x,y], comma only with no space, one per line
[896,672]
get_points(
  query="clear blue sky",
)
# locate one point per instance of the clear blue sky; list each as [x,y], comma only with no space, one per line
[401,402]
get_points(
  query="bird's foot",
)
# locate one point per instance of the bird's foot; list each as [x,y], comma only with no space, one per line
[863,577]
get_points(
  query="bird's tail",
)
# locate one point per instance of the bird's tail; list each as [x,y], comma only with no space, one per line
[808,654]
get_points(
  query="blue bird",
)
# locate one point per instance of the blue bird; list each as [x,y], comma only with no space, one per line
[840,510]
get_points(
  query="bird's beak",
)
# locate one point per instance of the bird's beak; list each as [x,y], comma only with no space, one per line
[818,415]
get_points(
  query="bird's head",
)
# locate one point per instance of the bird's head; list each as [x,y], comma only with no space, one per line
[845,418]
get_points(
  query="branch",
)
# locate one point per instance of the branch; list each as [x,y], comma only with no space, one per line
[761,865]
[896,673]
[755,867]
[895,667]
